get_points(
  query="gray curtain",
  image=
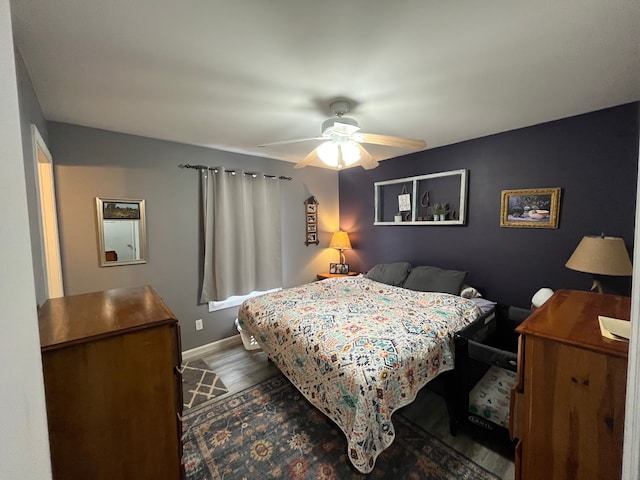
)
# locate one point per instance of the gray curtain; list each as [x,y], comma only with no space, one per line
[241,218]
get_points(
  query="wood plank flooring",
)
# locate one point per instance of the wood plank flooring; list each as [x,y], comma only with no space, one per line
[240,369]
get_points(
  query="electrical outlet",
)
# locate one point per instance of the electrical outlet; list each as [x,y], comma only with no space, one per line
[199,324]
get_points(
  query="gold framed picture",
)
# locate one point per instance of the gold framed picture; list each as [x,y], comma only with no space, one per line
[530,208]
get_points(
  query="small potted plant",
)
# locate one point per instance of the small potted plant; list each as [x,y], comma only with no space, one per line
[440,211]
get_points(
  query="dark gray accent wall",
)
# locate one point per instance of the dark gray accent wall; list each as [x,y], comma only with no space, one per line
[592,157]
[93,163]
[31,113]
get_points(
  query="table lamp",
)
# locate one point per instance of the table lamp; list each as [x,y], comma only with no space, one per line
[600,255]
[340,241]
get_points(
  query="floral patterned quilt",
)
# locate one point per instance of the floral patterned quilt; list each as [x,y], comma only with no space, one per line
[358,350]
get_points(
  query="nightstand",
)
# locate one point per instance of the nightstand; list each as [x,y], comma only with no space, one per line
[323,275]
[567,409]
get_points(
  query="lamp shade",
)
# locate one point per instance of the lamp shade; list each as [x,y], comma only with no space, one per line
[340,240]
[601,255]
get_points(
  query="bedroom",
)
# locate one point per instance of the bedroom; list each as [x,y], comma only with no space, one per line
[602,145]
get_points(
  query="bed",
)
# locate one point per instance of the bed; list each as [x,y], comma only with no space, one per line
[359,349]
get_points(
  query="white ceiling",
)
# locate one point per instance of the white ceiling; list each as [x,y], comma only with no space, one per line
[236,74]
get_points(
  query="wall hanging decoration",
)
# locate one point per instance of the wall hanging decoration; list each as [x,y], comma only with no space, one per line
[425,203]
[404,204]
[435,199]
[311,222]
[122,238]
[532,208]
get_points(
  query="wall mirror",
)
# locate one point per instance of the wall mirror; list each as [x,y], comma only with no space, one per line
[122,238]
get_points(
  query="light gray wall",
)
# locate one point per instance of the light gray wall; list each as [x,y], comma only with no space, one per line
[93,163]
[24,442]
[31,113]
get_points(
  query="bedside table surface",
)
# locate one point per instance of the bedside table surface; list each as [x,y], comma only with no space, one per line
[571,317]
[324,275]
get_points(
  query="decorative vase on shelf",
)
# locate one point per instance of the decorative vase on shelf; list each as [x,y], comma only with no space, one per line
[440,211]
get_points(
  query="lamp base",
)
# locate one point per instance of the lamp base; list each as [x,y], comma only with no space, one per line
[596,286]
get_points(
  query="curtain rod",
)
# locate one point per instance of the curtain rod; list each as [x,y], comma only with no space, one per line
[215,169]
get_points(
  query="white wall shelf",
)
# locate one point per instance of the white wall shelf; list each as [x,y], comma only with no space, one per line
[443,187]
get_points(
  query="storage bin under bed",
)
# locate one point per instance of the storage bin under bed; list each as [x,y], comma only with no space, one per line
[248,341]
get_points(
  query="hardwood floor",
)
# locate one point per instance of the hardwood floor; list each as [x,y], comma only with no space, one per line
[240,369]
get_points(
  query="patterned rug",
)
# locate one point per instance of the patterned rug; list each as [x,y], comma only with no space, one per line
[271,431]
[199,384]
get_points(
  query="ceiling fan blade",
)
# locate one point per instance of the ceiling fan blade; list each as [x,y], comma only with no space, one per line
[393,141]
[308,160]
[284,142]
[366,160]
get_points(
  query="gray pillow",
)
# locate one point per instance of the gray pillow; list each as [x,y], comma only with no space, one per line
[434,279]
[390,273]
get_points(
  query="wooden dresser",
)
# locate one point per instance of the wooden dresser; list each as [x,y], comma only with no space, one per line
[567,409]
[113,387]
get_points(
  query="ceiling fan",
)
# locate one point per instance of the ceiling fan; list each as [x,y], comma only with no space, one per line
[342,146]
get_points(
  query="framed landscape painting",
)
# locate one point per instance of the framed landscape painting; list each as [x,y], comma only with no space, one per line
[533,208]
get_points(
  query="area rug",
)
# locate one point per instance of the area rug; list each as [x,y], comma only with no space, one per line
[271,431]
[199,384]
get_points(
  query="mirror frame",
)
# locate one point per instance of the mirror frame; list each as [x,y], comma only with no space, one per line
[100,201]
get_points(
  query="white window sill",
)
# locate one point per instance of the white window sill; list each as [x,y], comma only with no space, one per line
[236,300]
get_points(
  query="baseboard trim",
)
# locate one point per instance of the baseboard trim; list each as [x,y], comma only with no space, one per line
[212,347]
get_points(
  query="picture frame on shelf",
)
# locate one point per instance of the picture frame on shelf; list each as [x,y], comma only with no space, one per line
[339,268]
[530,208]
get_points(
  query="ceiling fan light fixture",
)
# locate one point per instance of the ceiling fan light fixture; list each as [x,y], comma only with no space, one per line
[342,142]
[340,125]
[350,152]
[329,153]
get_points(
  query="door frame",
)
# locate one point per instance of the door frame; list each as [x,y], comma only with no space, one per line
[47,212]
